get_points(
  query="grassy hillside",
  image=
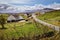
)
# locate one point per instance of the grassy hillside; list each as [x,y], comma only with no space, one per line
[29,30]
[16,30]
[51,17]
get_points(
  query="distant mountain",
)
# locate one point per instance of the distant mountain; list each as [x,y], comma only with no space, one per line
[6,8]
[47,9]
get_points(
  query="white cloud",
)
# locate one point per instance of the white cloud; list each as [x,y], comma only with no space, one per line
[38,6]
[20,1]
[16,1]
[24,7]
[54,5]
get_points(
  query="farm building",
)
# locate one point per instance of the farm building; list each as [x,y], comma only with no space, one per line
[13,18]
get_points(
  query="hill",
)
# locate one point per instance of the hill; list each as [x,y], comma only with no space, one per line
[51,17]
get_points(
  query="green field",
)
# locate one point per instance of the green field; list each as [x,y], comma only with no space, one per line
[52,17]
[25,29]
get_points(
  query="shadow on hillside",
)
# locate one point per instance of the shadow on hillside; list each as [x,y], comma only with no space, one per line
[3,28]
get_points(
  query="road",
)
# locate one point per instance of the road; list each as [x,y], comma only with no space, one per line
[57,28]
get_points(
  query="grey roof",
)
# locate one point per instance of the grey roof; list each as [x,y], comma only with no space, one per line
[11,17]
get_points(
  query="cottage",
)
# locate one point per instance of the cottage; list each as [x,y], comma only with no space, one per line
[13,18]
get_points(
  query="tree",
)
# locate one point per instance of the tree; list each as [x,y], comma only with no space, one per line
[2,21]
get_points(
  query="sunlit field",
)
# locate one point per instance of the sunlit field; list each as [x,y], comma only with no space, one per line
[52,17]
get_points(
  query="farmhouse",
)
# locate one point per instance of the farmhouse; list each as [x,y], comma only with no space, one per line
[13,18]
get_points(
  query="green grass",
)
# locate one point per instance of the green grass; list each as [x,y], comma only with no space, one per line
[51,17]
[22,29]
[28,29]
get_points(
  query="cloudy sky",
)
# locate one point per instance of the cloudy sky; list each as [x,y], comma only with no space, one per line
[29,2]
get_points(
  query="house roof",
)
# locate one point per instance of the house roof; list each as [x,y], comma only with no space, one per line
[11,17]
